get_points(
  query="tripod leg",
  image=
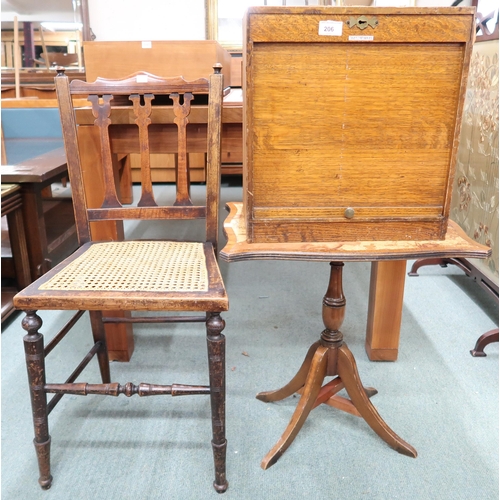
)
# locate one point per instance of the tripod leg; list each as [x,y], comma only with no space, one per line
[306,403]
[370,391]
[295,384]
[349,375]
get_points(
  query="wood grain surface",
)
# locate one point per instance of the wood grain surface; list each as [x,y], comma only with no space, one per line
[333,124]
[456,243]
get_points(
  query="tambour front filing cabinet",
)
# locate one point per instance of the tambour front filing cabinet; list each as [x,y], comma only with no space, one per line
[351,121]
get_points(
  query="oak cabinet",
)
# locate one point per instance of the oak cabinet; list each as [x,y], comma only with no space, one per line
[351,121]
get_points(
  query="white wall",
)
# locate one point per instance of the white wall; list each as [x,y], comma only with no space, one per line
[121,20]
[418,3]
[441,3]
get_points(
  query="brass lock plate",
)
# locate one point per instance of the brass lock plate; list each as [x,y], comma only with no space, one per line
[362,22]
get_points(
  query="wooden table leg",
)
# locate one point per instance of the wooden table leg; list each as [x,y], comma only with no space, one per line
[12,209]
[36,233]
[123,169]
[119,336]
[17,238]
[385,309]
[484,340]
[330,357]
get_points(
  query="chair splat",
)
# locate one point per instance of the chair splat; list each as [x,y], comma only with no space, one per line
[143,120]
[181,112]
[102,113]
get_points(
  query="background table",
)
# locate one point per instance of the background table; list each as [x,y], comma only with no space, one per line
[49,221]
[18,251]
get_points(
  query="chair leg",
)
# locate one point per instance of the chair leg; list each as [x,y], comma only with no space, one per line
[216,344]
[35,362]
[484,340]
[99,335]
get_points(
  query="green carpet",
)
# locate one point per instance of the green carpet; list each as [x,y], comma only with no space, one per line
[435,396]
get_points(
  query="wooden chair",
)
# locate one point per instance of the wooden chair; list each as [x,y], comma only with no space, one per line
[150,275]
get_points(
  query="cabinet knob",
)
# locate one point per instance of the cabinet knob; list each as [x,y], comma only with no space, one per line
[349,213]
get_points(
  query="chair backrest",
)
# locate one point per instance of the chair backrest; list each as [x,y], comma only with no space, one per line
[146,114]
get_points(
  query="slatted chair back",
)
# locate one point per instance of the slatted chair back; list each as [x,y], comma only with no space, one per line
[150,129]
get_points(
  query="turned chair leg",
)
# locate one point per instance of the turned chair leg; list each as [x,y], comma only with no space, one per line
[35,362]
[216,344]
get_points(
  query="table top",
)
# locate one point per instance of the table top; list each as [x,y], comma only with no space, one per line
[232,112]
[8,189]
[38,169]
[233,99]
[455,244]
[34,102]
